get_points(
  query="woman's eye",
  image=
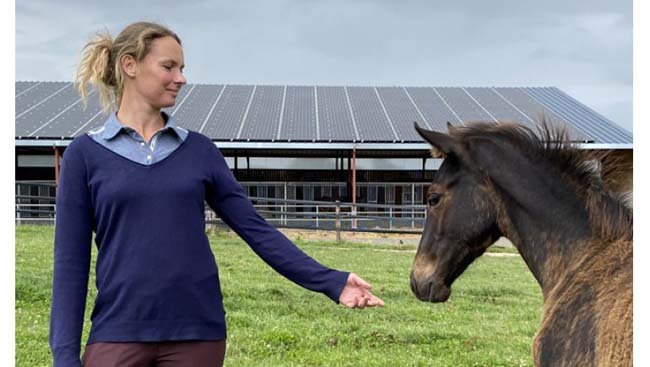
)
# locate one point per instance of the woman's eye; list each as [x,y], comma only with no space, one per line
[167,67]
[433,199]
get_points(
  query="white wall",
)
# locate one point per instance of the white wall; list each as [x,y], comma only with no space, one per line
[330,163]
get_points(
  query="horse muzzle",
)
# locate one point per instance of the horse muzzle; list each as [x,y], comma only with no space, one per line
[430,290]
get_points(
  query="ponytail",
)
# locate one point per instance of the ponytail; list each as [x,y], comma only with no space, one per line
[97,71]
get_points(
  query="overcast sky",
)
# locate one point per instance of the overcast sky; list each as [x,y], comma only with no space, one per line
[582,47]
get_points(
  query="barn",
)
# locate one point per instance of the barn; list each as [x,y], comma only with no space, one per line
[355,144]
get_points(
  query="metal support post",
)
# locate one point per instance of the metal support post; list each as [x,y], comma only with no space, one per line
[338,221]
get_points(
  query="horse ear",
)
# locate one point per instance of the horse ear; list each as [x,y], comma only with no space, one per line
[449,126]
[442,143]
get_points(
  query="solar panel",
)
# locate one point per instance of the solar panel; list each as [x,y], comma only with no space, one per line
[498,107]
[36,95]
[299,116]
[463,105]
[72,118]
[538,113]
[226,119]
[43,113]
[95,122]
[372,122]
[433,108]
[335,120]
[585,119]
[23,86]
[606,124]
[401,111]
[196,107]
[263,116]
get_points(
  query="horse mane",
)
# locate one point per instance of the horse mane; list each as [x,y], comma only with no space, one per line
[590,172]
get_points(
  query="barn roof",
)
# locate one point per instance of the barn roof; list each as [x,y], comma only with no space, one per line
[318,117]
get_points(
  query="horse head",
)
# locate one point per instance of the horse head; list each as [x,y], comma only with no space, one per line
[461,220]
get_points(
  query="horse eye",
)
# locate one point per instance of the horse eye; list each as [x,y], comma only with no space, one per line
[433,199]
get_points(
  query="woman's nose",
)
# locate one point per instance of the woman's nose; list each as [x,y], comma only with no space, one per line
[180,79]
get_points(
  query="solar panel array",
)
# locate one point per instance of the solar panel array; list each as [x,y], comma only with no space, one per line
[259,113]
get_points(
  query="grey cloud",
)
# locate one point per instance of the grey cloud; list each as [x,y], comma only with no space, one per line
[582,47]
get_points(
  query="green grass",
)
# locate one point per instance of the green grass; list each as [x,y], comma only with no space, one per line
[490,319]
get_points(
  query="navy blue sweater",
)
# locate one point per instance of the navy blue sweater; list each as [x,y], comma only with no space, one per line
[156,276]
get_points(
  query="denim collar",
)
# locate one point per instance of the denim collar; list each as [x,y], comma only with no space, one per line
[113,127]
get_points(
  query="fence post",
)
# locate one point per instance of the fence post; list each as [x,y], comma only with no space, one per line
[284,210]
[413,203]
[317,217]
[338,221]
[413,217]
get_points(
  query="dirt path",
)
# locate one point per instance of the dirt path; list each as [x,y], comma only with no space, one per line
[372,238]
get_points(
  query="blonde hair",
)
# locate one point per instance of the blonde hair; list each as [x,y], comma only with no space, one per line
[100,66]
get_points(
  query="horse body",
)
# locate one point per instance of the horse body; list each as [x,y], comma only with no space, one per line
[573,232]
[587,317]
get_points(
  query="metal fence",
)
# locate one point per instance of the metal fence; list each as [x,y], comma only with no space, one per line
[341,216]
[35,202]
[299,214]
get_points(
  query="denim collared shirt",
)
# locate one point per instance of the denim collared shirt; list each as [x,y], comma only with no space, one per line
[126,142]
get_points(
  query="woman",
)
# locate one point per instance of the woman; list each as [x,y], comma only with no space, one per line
[140,182]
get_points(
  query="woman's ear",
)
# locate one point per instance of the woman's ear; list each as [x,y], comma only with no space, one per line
[129,65]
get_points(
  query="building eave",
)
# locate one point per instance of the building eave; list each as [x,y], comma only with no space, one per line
[305,145]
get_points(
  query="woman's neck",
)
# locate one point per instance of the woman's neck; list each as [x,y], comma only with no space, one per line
[142,118]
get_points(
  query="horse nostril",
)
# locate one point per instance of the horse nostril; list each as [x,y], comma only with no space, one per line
[421,289]
[414,286]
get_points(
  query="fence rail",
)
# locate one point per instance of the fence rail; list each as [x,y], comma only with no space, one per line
[339,216]
[299,214]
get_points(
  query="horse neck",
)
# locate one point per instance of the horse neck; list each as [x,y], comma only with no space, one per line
[549,248]
[541,213]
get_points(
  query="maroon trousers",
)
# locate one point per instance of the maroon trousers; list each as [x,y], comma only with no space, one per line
[162,354]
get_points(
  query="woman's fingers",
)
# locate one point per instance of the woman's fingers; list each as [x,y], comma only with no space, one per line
[360,282]
[375,301]
[363,301]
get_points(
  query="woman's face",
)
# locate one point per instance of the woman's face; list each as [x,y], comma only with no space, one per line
[158,78]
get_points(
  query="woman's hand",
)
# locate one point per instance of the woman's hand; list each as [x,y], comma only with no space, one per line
[356,294]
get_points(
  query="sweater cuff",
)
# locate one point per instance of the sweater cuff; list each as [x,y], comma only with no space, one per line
[66,357]
[338,283]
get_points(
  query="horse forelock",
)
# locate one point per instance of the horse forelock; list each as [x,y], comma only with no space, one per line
[589,172]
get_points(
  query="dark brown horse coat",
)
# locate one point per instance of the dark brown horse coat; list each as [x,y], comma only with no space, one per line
[559,207]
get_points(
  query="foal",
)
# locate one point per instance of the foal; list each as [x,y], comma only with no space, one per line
[554,203]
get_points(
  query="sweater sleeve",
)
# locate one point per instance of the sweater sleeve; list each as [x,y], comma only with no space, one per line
[72,248]
[228,199]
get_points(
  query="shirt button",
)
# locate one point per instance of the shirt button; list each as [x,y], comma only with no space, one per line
[148,157]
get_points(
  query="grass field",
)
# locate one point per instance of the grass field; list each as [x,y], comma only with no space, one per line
[490,319]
